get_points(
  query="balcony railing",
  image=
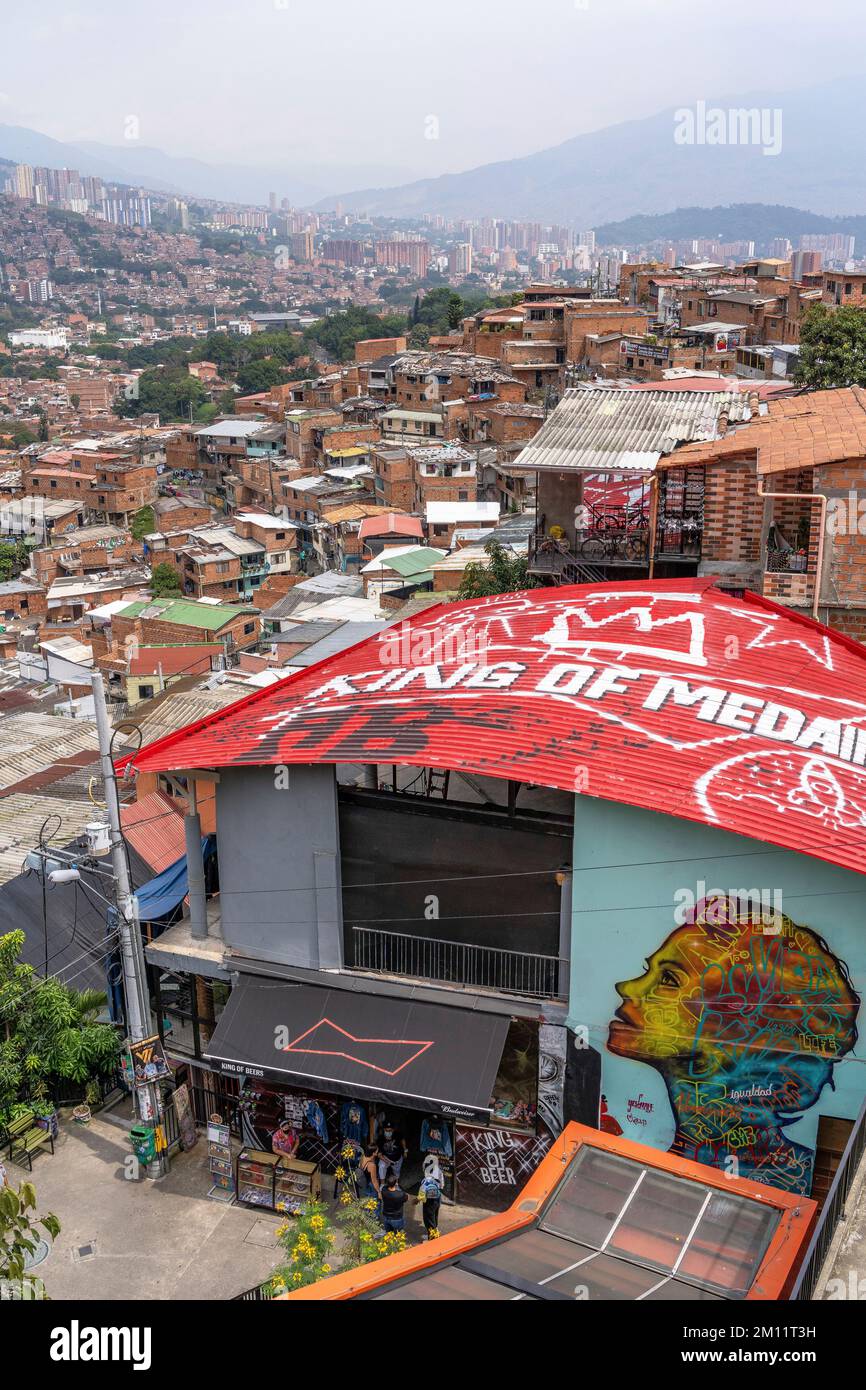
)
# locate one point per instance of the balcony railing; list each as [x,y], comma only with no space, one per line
[679,536]
[787,561]
[459,963]
[585,556]
[832,1212]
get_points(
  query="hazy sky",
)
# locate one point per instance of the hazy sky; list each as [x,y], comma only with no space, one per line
[339,81]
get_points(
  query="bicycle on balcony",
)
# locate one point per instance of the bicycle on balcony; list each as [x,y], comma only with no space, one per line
[600,546]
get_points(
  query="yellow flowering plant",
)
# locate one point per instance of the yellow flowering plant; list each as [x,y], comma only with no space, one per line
[307,1242]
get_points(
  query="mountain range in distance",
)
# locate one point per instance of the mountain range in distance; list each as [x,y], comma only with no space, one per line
[815,140]
[182,177]
[758,222]
[622,180]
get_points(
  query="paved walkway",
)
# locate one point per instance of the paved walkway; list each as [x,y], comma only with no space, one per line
[153,1240]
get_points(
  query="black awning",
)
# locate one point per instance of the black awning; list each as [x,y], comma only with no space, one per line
[424,1056]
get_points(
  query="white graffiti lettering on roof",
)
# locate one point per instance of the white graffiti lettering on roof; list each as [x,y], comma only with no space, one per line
[667,694]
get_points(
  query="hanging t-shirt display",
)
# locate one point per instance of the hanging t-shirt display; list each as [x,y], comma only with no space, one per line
[353,1122]
[436,1138]
[315,1118]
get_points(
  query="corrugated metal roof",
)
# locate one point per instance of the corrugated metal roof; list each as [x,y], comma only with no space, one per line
[21,817]
[32,743]
[394,523]
[174,661]
[305,632]
[602,428]
[630,692]
[154,827]
[177,711]
[185,612]
[403,559]
[344,636]
[416,563]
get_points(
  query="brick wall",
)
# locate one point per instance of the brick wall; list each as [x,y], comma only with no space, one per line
[182,519]
[733,513]
[795,590]
[156,632]
[845,543]
[596,318]
[369,349]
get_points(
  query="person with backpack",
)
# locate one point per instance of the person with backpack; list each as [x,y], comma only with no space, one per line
[430,1195]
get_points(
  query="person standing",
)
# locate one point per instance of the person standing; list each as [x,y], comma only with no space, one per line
[285,1140]
[430,1195]
[370,1173]
[393,1200]
[393,1149]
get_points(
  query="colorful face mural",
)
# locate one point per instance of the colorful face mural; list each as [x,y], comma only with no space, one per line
[744,1017]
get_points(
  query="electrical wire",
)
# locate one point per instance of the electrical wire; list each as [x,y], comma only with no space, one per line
[110,939]
[516,873]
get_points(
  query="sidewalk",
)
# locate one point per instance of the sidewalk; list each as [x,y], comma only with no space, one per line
[154,1240]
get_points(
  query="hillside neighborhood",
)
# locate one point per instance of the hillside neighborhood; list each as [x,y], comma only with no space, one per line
[433,701]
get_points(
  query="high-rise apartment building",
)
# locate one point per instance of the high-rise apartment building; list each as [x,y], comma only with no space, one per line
[24,180]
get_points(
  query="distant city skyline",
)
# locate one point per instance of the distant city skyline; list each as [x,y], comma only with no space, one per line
[268,82]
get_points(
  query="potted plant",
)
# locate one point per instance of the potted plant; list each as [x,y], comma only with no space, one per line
[46,1116]
[82,1114]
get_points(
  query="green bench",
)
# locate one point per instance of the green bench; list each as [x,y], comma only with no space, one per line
[16,1128]
[26,1145]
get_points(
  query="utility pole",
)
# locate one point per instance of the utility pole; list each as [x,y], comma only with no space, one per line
[138,1016]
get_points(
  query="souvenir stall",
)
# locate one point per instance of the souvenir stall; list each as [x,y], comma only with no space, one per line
[315,1129]
[361,1068]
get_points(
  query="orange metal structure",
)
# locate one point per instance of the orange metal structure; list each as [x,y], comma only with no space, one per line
[772,1280]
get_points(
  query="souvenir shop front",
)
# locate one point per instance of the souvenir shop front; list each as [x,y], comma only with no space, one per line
[319,1068]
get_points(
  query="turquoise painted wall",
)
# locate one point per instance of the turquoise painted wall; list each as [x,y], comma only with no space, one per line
[739,1035]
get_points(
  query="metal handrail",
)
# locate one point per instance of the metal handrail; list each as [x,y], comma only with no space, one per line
[832,1212]
[523,973]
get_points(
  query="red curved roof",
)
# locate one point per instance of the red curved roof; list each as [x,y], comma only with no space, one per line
[664,694]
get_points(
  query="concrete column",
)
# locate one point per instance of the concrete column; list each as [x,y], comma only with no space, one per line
[566,882]
[195,875]
[329,928]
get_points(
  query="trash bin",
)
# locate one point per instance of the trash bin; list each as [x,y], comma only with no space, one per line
[143,1143]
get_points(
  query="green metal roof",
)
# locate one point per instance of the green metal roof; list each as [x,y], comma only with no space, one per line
[185,612]
[414,562]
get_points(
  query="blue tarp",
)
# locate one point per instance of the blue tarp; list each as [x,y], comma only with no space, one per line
[165,892]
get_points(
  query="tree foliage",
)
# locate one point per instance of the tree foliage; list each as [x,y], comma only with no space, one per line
[164,581]
[13,559]
[261,376]
[505,574]
[47,1029]
[167,391]
[19,1229]
[233,351]
[832,347]
[339,333]
[142,523]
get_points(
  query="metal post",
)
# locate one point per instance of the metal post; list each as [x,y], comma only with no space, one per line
[138,1016]
[194,865]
